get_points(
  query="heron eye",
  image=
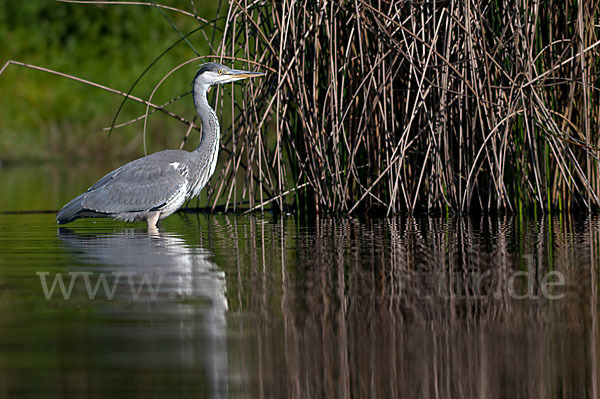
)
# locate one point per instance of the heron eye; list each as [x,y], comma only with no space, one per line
[220,71]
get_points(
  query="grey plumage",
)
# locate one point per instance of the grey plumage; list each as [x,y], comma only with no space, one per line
[155,186]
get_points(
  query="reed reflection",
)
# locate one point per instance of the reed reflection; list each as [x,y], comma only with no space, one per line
[419,308]
[175,316]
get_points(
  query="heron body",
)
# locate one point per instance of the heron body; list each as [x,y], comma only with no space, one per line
[155,186]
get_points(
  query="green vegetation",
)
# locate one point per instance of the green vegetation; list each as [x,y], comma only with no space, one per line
[44,116]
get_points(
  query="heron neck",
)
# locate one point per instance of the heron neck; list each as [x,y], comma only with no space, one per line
[204,158]
[209,142]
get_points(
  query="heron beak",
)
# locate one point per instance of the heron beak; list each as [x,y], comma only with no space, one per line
[237,75]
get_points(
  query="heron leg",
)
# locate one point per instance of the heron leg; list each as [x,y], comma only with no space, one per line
[152,220]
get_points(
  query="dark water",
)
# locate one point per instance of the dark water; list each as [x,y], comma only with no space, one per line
[222,306]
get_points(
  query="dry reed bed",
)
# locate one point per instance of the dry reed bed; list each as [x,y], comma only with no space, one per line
[395,106]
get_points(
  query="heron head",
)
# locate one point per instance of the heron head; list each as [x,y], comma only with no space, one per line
[212,73]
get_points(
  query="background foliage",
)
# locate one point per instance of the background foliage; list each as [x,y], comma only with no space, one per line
[368,106]
[47,117]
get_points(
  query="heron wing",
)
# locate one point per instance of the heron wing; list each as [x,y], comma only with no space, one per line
[141,185]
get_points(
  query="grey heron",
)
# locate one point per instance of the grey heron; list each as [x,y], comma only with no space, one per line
[155,186]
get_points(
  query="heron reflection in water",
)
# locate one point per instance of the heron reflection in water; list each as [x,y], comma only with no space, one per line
[189,305]
[155,186]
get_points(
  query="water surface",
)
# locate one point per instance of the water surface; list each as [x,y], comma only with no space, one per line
[218,306]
